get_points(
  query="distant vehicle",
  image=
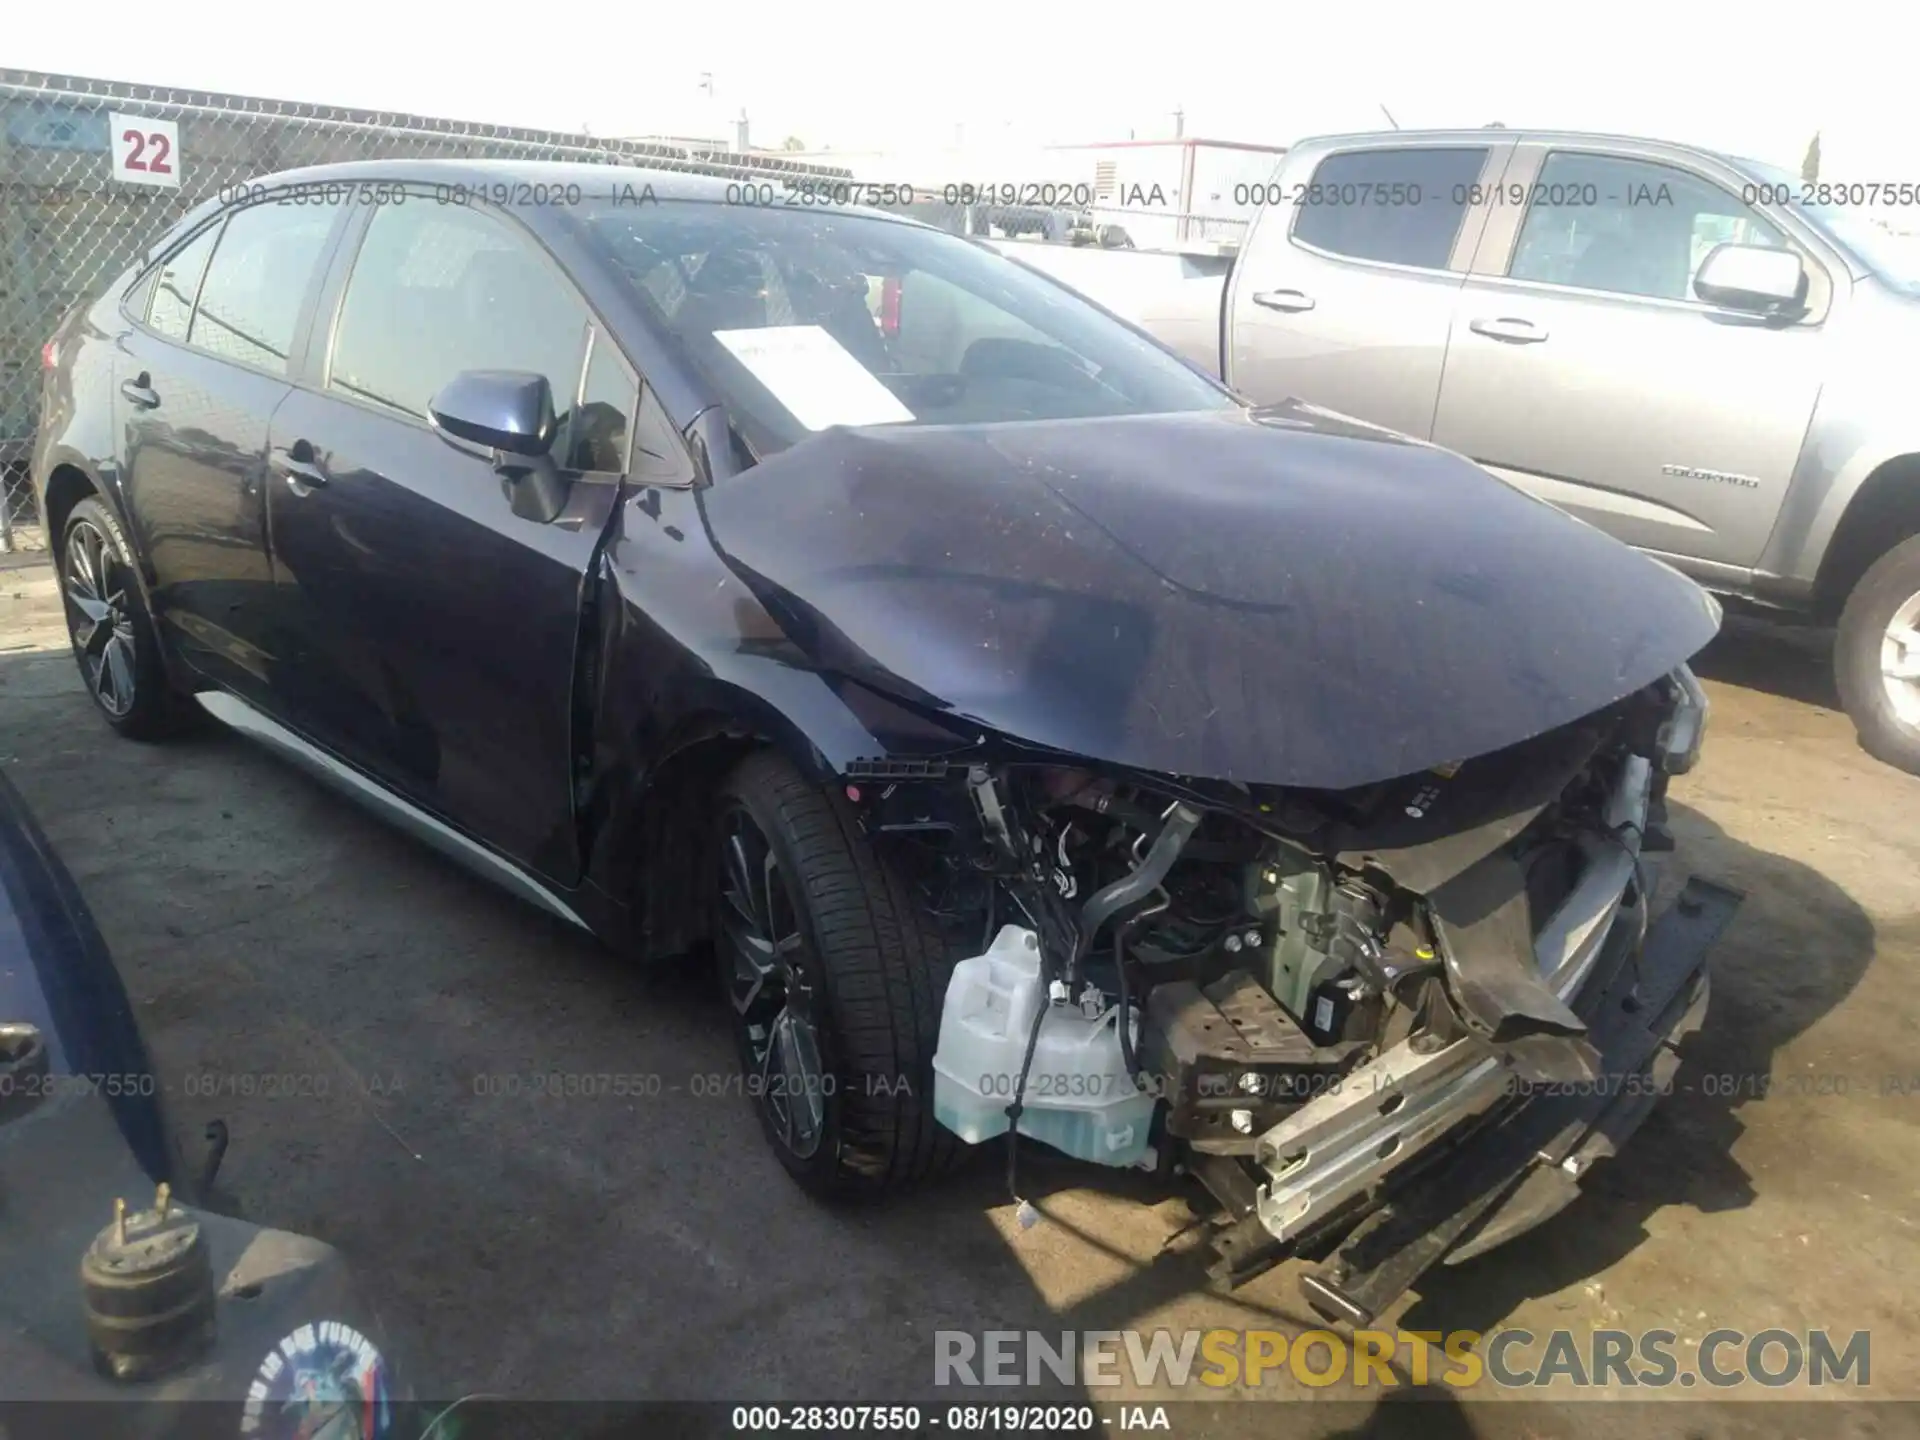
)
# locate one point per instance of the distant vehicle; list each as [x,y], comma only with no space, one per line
[1702,355]
[985,693]
[1061,227]
[1105,234]
[1015,221]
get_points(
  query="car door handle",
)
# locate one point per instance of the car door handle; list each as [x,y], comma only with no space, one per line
[298,467]
[140,391]
[1516,331]
[1291,301]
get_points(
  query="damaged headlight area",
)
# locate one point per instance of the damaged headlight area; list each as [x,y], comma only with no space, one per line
[1314,1002]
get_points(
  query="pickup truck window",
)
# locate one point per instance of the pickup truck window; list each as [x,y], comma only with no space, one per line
[881,322]
[1633,227]
[1400,207]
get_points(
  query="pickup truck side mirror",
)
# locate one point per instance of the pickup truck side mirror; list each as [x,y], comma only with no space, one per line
[1755,278]
[511,413]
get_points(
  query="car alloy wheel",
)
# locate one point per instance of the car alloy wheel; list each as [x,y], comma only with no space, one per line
[99,617]
[770,981]
[1900,662]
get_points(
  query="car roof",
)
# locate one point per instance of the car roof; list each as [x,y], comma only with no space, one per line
[1489,134]
[593,178]
[618,183]
[667,184]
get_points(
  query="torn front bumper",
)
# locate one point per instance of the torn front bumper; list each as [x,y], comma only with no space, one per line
[1523,1162]
[1416,1121]
[1386,1113]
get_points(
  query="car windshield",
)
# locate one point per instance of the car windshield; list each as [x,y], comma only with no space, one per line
[1893,257]
[808,318]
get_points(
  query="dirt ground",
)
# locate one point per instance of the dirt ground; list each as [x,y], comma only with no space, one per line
[613,1248]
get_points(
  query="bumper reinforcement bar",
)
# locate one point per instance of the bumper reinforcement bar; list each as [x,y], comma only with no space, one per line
[1524,1165]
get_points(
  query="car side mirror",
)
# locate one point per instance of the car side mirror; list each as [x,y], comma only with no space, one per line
[511,413]
[506,410]
[1756,278]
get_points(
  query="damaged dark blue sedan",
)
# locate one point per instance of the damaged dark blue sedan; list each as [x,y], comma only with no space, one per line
[1036,739]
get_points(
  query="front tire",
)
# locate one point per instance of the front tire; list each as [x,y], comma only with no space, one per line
[835,976]
[107,620]
[1876,657]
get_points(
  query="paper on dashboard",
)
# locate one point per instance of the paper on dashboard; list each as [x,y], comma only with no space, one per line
[814,376]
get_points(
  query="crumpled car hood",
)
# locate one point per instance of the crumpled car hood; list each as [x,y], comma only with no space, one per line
[1276,597]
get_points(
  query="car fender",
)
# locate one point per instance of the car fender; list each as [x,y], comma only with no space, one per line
[688,641]
[686,676]
[1835,466]
[76,430]
[102,477]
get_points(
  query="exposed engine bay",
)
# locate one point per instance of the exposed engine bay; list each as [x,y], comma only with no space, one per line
[1288,993]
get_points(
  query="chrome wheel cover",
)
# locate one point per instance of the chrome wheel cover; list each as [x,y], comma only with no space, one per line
[1900,662]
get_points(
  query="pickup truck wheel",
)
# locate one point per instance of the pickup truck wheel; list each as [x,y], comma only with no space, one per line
[107,620]
[1877,657]
[836,976]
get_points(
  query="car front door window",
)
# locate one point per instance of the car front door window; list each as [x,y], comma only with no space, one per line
[438,289]
[1629,227]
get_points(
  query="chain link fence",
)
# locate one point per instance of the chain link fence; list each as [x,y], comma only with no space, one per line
[91,172]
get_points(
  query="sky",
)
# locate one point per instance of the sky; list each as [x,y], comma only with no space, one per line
[852,75]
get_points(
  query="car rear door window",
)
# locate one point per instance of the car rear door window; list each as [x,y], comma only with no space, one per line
[1398,207]
[1632,227]
[250,302]
[170,311]
[437,289]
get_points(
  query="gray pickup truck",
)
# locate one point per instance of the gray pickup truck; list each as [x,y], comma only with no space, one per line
[1705,356]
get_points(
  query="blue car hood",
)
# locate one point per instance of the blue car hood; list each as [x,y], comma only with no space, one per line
[1278,597]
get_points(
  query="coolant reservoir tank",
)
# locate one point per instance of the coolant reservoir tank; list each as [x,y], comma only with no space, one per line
[1079,1097]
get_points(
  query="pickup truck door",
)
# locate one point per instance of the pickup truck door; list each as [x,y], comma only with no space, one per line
[431,633]
[1582,369]
[1347,287]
